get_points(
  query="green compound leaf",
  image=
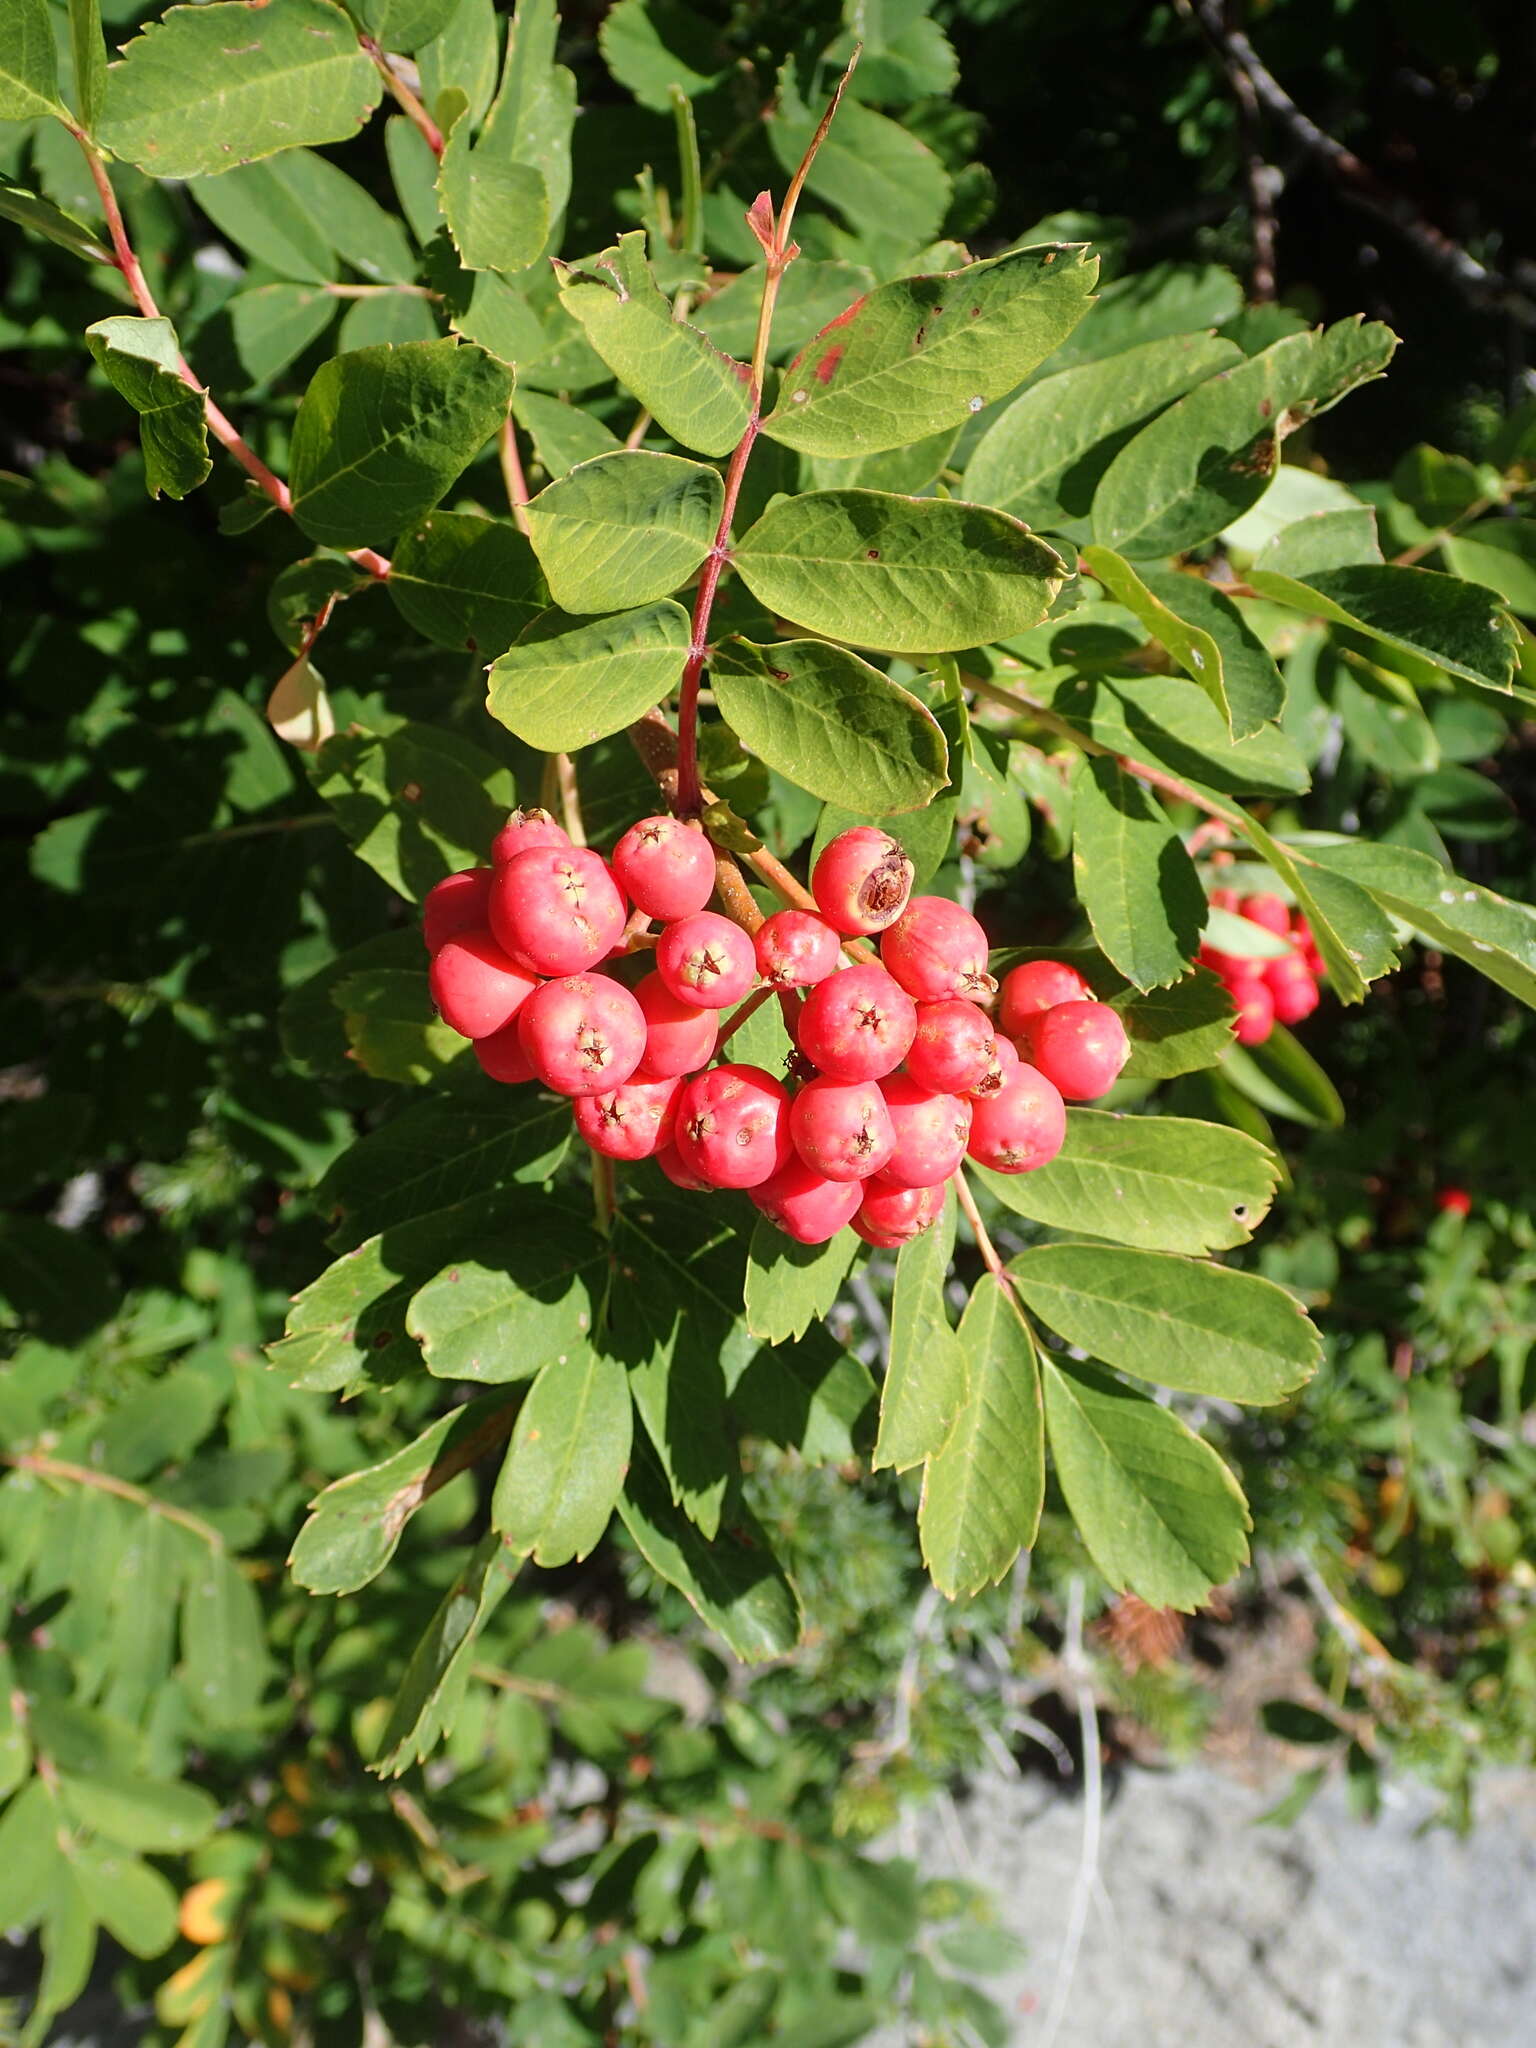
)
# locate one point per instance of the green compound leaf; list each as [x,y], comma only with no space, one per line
[926,353]
[566,682]
[497,210]
[383,432]
[830,723]
[1458,626]
[1160,1183]
[139,358]
[650,48]
[983,1491]
[905,575]
[693,392]
[1161,1515]
[1199,1328]
[810,295]
[624,529]
[206,88]
[225,1661]
[466,581]
[790,1286]
[569,1454]
[1191,646]
[29,75]
[89,52]
[502,1314]
[925,1371]
[1134,878]
[1325,540]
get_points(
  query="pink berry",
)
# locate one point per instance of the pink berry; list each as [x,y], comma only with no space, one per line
[558,908]
[889,1217]
[1292,989]
[680,1038]
[1224,899]
[476,988]
[1022,1126]
[458,903]
[857,1025]
[931,1132]
[732,1126]
[525,830]
[1255,1008]
[1004,1063]
[842,1128]
[666,868]
[795,949]
[502,1056]
[1272,912]
[937,951]
[1038,985]
[1454,1202]
[668,1159]
[861,881]
[706,960]
[805,1204]
[631,1121]
[953,1048]
[584,1034]
[1080,1047]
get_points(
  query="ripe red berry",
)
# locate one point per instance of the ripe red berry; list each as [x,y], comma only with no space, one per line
[631,1121]
[1003,1063]
[953,1049]
[1022,1126]
[502,1056]
[1272,912]
[1306,945]
[458,903]
[889,1217]
[1037,985]
[670,1162]
[583,1033]
[1080,1047]
[861,881]
[525,830]
[1292,989]
[680,1038]
[558,908]
[732,1126]
[666,868]
[931,1132]
[1454,1202]
[937,951]
[842,1128]
[1255,1009]
[857,1025]
[1224,899]
[706,960]
[805,1204]
[476,988]
[795,949]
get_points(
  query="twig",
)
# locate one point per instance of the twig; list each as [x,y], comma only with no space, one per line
[404,98]
[991,1258]
[107,1482]
[512,475]
[1264,183]
[1074,1666]
[1409,556]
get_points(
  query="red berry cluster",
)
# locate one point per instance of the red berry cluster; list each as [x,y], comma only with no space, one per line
[1268,992]
[898,1071]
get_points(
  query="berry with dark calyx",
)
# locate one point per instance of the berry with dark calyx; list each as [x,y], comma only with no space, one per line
[458,903]
[842,1129]
[890,1217]
[584,1033]
[804,1204]
[525,830]
[857,1025]
[931,1132]
[1272,913]
[795,949]
[1292,988]
[1004,1062]
[670,1162]
[732,1127]
[1079,1047]
[937,951]
[1037,985]
[631,1121]
[953,1049]
[861,881]
[680,1038]
[666,868]
[476,987]
[558,908]
[706,960]
[1021,1127]
[502,1056]
[1255,1008]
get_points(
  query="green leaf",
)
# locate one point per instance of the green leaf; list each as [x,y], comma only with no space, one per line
[501,1315]
[1352,934]
[1498,553]
[565,683]
[30,1856]
[879,175]
[343,213]
[225,1663]
[383,432]
[830,723]
[255,207]
[1191,646]
[466,581]
[983,1491]
[906,575]
[402,26]
[569,1454]
[432,1690]
[791,1286]
[28,210]
[140,359]
[29,78]
[624,529]
[1323,540]
[1134,878]
[1458,626]
[1200,1328]
[416,804]
[809,1396]
[206,88]
[652,45]
[535,108]
[1165,298]
[925,1367]
[385,316]
[497,210]
[90,58]
[694,393]
[1161,1183]
[926,353]
[1042,458]
[1173,1030]
[563,434]
[132,1901]
[1161,1515]
[810,295]
[275,323]
[139,1812]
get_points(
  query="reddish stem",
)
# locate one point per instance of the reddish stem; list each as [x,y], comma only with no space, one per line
[404,98]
